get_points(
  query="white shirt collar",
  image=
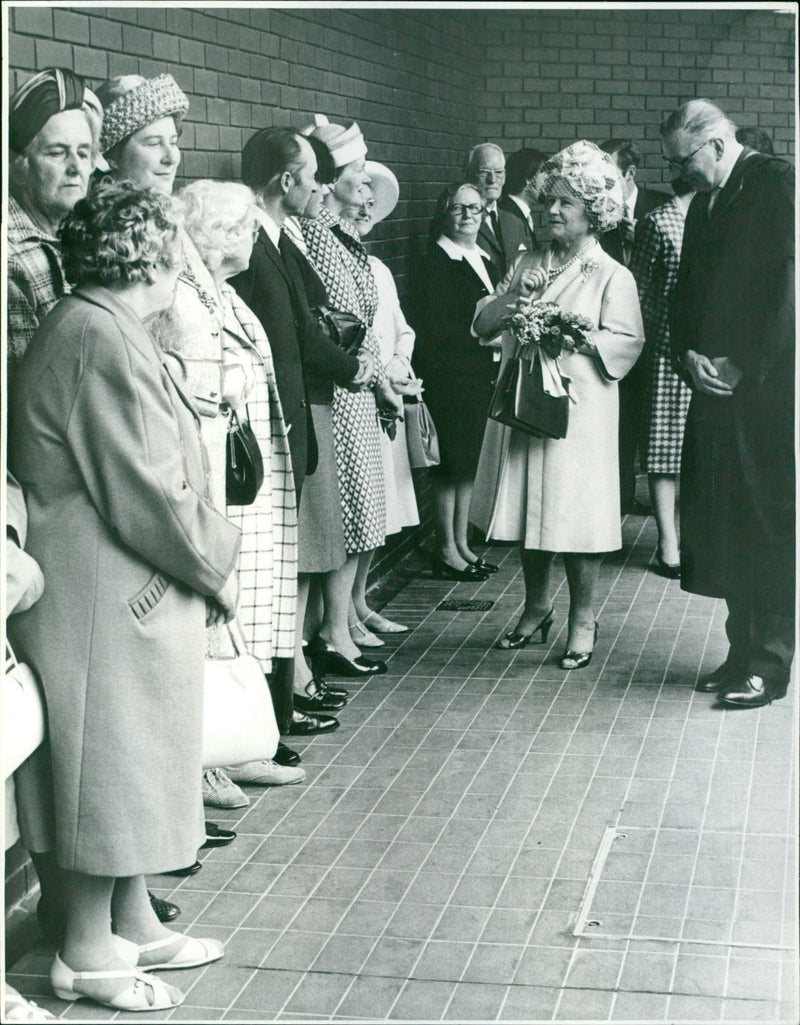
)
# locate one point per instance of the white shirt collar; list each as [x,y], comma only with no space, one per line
[630,201]
[272,229]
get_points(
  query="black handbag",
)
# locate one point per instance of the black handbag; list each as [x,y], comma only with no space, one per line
[344,329]
[520,401]
[244,471]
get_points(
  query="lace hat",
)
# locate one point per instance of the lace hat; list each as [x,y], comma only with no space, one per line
[583,171]
[131,102]
[384,187]
[346,143]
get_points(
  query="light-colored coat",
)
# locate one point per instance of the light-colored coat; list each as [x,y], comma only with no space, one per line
[107,450]
[562,495]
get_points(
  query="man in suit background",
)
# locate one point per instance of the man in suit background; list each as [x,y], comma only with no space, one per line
[619,244]
[732,336]
[485,168]
[518,198]
[279,165]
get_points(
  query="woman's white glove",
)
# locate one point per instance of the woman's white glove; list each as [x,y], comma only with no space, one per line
[401,376]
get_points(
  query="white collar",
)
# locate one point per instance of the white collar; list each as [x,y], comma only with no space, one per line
[272,229]
[458,252]
[630,201]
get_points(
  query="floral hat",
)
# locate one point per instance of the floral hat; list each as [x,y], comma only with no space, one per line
[583,171]
[131,102]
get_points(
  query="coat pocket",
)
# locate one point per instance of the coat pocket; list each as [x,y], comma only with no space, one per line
[143,603]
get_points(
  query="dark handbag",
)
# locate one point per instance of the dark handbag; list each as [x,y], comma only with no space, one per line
[422,440]
[520,401]
[344,329]
[244,472]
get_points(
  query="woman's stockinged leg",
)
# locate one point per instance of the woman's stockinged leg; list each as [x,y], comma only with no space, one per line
[536,569]
[302,671]
[582,572]
[360,607]
[337,589]
[662,495]
[444,508]
[461,519]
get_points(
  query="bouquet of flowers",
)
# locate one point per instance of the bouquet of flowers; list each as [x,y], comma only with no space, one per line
[547,326]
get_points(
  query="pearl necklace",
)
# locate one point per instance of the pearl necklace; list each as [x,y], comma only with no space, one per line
[553,272]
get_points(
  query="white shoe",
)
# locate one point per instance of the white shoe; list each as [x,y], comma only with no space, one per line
[191,954]
[219,791]
[364,638]
[266,773]
[375,621]
[143,994]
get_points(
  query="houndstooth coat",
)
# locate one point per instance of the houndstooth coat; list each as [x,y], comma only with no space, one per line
[654,264]
[341,261]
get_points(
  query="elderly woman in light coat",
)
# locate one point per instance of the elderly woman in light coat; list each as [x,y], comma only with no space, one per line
[562,495]
[136,558]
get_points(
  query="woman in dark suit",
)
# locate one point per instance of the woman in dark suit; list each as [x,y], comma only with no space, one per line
[458,371]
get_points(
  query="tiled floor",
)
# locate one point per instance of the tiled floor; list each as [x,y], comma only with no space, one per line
[490,838]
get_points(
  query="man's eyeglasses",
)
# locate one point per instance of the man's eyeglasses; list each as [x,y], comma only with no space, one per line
[473,208]
[682,163]
[489,172]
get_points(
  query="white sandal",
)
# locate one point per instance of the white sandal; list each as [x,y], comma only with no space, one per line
[66,986]
[362,637]
[375,621]
[192,954]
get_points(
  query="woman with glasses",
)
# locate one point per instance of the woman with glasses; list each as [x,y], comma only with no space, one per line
[458,372]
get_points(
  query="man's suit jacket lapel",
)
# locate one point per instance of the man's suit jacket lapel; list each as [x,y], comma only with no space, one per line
[489,241]
[274,255]
[733,186]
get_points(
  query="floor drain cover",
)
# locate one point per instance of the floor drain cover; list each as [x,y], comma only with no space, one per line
[454,605]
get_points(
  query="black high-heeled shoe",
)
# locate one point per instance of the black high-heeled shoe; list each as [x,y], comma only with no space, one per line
[442,570]
[665,569]
[332,661]
[579,659]
[484,566]
[515,640]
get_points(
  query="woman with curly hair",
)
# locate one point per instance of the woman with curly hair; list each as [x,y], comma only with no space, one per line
[562,494]
[137,560]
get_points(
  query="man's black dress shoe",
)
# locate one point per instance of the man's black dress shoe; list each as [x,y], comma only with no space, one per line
[165,910]
[302,725]
[753,692]
[327,688]
[216,836]
[317,700]
[285,756]
[190,870]
[329,660]
[723,677]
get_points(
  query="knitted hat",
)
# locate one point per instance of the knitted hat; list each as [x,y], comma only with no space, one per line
[49,92]
[384,187]
[345,143]
[131,102]
[583,171]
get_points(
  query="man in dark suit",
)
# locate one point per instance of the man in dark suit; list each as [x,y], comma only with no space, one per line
[279,165]
[519,231]
[732,333]
[499,234]
[619,244]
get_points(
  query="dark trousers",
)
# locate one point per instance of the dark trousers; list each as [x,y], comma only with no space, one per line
[761,640]
[631,402]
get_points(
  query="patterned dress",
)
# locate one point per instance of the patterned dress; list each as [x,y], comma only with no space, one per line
[654,264]
[341,261]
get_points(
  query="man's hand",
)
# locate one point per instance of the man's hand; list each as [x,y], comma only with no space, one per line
[705,375]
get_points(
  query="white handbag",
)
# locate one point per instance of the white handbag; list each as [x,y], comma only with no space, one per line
[238,718]
[23,713]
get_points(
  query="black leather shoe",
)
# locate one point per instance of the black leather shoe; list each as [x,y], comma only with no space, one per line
[190,870]
[442,570]
[330,660]
[667,569]
[316,700]
[327,688]
[165,910]
[723,678]
[302,725]
[216,836]
[484,566]
[752,692]
[285,756]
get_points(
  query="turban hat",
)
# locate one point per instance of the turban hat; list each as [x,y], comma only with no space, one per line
[131,102]
[583,171]
[346,143]
[47,93]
